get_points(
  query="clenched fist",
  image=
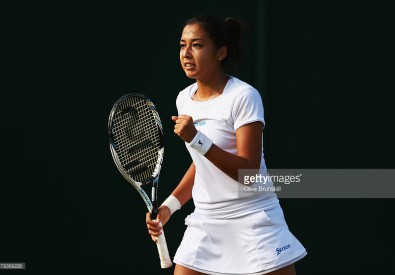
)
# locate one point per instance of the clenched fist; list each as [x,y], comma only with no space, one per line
[184,127]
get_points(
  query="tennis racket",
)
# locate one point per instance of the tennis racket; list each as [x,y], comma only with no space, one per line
[136,144]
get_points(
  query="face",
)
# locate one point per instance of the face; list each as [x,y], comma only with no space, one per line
[198,55]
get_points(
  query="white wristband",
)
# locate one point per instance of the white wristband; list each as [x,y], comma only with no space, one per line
[172,203]
[201,143]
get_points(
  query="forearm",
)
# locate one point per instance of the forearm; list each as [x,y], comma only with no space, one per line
[183,192]
[249,151]
[248,145]
[228,162]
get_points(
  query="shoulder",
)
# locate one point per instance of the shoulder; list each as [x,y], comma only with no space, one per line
[248,106]
[244,91]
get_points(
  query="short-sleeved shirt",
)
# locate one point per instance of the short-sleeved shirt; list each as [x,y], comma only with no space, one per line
[219,118]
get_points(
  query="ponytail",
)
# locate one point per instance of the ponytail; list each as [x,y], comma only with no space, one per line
[234,28]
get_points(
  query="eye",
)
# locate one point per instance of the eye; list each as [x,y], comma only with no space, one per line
[182,46]
[197,45]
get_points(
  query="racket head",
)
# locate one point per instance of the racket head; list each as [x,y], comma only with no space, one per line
[136,139]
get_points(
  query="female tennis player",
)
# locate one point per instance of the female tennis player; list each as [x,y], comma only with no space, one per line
[220,118]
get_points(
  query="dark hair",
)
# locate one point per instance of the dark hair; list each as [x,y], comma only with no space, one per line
[223,32]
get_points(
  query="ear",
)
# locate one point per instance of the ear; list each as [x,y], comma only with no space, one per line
[221,53]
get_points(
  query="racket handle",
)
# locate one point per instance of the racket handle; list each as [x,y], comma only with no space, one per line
[161,244]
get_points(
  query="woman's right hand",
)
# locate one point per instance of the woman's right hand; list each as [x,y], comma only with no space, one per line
[155,227]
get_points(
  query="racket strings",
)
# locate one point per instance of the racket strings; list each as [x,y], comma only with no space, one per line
[137,138]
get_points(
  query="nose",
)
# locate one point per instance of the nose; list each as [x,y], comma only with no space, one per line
[186,52]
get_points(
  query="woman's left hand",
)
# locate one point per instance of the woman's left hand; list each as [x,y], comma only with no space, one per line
[184,127]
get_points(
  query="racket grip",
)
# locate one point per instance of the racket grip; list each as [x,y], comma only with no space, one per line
[161,244]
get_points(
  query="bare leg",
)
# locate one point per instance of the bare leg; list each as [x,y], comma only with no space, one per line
[180,270]
[287,270]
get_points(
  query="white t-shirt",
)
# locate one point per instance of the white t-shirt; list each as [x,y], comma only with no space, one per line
[219,118]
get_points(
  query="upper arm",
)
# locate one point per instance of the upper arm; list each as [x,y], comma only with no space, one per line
[249,143]
[248,118]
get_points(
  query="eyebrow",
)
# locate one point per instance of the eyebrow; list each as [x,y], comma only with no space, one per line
[193,40]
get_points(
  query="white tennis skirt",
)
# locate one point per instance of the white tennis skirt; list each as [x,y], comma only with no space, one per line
[255,243]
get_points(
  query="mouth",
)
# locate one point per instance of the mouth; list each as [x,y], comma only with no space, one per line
[189,66]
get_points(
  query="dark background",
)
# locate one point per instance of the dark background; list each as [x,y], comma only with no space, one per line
[325,70]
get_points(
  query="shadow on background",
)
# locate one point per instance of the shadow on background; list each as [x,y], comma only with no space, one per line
[324,69]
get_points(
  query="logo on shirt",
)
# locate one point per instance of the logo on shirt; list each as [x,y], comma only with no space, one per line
[200,142]
[200,123]
[281,249]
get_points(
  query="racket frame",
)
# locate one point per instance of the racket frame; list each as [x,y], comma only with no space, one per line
[151,204]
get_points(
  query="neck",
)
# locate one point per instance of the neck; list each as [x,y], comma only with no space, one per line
[210,89]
